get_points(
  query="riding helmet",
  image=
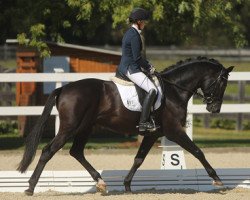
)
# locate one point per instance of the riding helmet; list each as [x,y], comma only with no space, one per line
[138,14]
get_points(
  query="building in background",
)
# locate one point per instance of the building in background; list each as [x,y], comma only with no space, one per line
[72,58]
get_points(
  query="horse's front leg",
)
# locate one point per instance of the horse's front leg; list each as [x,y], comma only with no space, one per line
[182,139]
[145,146]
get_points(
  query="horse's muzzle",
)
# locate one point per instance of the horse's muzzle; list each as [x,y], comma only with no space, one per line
[214,107]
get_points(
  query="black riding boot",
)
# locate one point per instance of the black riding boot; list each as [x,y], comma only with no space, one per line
[145,124]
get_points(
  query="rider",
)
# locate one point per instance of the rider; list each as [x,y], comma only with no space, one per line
[133,65]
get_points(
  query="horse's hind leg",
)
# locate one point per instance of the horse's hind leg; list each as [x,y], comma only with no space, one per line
[77,151]
[47,153]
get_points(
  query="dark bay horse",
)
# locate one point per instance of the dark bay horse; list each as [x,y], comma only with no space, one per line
[85,103]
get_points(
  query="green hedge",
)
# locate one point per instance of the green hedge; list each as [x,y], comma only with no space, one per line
[228,124]
[8,127]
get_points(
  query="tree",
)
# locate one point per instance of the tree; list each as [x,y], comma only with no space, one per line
[92,22]
[177,21]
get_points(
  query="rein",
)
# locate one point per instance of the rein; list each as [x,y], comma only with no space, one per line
[184,89]
[206,99]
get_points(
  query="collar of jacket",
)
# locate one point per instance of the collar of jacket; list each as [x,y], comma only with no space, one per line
[136,28]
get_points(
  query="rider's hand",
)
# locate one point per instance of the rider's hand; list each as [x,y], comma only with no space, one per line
[152,70]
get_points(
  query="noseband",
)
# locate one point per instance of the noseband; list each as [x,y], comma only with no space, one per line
[210,97]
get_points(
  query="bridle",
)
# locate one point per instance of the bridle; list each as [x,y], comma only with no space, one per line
[210,97]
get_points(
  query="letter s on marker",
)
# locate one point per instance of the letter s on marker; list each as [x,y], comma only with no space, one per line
[175,157]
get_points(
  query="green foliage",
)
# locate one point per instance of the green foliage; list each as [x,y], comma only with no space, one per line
[221,137]
[179,22]
[246,125]
[227,124]
[8,127]
[202,137]
[84,8]
[197,121]
[37,32]
[221,13]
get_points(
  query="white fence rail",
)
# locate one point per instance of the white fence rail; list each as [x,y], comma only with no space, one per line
[42,77]
[69,77]
[51,77]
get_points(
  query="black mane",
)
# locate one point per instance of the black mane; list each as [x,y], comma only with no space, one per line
[191,60]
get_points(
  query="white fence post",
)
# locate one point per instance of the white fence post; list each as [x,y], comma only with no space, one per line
[189,128]
[58,84]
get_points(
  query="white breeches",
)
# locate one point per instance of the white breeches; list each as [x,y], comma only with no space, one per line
[142,81]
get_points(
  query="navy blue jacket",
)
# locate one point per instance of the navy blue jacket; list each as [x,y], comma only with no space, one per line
[131,53]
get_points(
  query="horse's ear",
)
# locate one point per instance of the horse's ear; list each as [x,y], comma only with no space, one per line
[229,69]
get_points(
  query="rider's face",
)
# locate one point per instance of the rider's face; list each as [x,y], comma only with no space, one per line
[141,24]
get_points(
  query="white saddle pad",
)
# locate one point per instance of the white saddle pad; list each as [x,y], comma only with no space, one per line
[130,97]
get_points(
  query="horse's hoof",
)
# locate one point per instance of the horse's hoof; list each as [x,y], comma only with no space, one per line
[128,190]
[101,187]
[29,192]
[217,183]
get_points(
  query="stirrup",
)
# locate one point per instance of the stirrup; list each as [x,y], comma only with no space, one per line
[146,126]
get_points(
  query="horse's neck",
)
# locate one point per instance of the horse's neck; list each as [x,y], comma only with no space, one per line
[187,79]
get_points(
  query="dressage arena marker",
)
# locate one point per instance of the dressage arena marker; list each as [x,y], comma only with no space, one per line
[81,181]
[172,155]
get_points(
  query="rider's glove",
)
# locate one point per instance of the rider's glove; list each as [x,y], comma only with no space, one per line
[152,70]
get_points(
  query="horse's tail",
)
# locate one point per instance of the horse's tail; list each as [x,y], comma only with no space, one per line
[32,140]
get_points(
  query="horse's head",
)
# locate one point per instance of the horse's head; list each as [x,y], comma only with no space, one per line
[213,89]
